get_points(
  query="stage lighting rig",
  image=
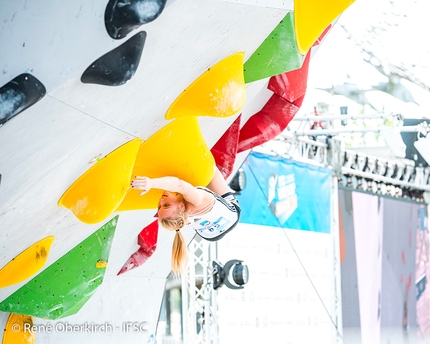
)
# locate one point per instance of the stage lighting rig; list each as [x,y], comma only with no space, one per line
[234,274]
[238,182]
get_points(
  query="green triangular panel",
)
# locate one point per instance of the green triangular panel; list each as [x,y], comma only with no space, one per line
[66,285]
[276,55]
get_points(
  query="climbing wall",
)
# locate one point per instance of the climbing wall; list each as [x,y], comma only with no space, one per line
[92,93]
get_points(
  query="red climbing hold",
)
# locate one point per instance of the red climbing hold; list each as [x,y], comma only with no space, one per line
[268,123]
[225,150]
[147,240]
[137,259]
[291,85]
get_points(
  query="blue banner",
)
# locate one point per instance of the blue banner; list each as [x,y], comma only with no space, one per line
[284,193]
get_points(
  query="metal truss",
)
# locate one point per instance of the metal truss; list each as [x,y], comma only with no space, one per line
[396,178]
[336,287]
[298,148]
[351,169]
[199,304]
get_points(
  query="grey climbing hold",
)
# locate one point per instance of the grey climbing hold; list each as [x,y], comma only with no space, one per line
[122,17]
[117,66]
[19,94]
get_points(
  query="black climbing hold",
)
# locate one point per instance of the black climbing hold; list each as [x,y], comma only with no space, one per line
[117,66]
[123,16]
[19,94]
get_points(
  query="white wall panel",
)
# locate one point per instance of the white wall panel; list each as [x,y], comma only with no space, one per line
[48,146]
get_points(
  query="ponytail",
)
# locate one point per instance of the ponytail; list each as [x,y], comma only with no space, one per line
[179,248]
[179,254]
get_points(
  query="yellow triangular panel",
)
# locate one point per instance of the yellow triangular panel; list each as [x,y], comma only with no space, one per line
[311,17]
[19,330]
[218,92]
[179,150]
[27,263]
[100,190]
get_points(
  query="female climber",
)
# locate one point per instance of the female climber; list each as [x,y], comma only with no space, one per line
[211,212]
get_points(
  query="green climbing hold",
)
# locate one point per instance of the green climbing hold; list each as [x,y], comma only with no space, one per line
[66,285]
[276,55]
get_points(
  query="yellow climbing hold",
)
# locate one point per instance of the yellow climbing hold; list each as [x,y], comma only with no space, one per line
[179,150]
[27,263]
[19,329]
[218,92]
[101,264]
[311,17]
[99,191]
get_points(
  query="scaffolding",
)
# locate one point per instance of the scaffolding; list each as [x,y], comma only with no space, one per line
[353,169]
[199,305]
[350,169]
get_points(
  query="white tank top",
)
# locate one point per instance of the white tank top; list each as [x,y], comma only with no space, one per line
[214,224]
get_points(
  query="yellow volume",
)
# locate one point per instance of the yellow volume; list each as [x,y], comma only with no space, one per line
[27,263]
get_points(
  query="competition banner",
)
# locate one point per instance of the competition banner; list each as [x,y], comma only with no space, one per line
[285,240]
[284,193]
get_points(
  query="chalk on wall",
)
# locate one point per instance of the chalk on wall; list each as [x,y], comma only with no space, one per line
[19,94]
[122,17]
[64,287]
[117,66]
[218,92]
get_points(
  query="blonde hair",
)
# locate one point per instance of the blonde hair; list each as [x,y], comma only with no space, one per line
[179,247]
[179,254]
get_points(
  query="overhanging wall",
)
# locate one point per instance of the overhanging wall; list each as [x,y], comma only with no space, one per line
[45,148]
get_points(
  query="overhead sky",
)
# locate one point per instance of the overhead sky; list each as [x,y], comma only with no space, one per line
[394,33]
